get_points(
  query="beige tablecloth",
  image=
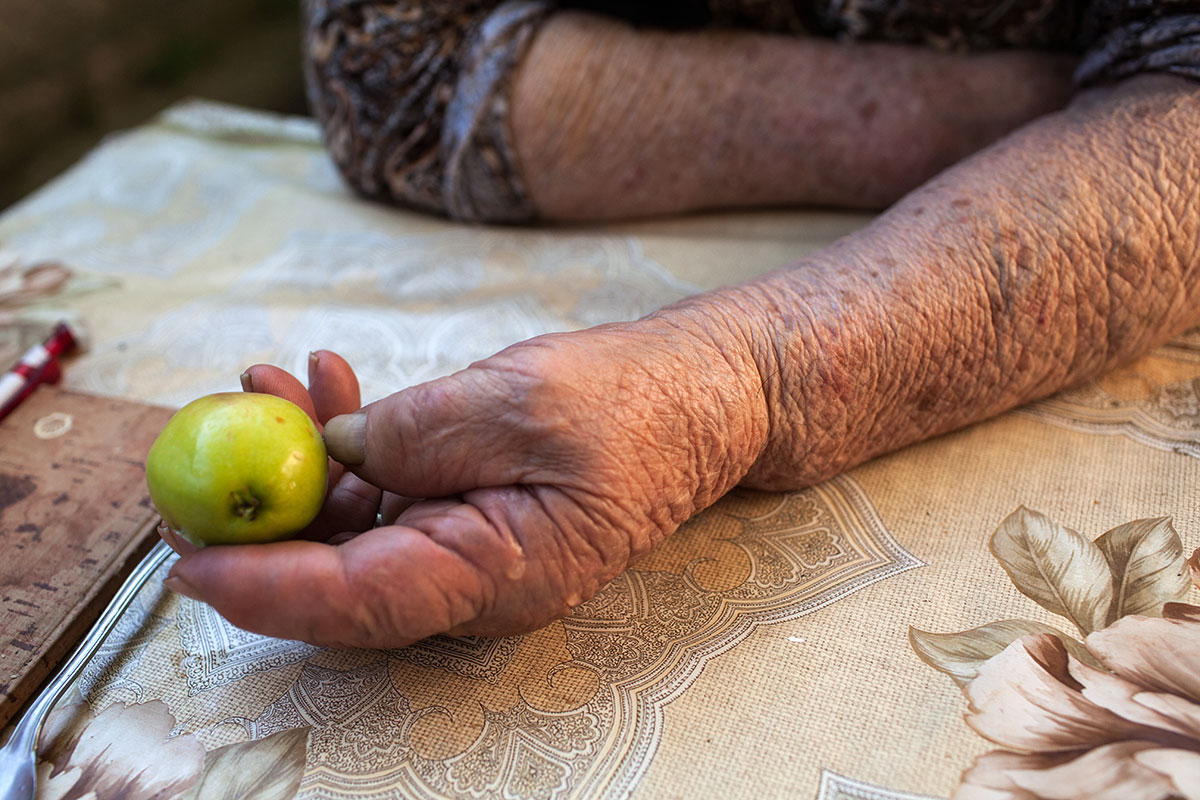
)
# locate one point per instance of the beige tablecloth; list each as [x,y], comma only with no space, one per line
[764,651]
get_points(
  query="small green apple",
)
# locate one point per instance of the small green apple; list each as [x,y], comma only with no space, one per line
[236,468]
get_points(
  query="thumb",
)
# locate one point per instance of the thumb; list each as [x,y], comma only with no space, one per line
[436,439]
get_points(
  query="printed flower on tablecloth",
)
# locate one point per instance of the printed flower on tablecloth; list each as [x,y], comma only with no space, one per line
[1113,717]
[134,752]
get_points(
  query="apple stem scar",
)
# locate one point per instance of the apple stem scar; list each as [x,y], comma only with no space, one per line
[245,505]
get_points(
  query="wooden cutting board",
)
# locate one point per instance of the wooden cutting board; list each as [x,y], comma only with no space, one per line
[75,519]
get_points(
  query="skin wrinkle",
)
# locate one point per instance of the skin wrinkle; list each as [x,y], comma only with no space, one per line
[593,509]
[787,411]
[930,404]
[335,595]
[657,435]
[1089,310]
[677,428]
[356,618]
[697,479]
[587,581]
[555,400]
[1120,259]
[653,445]
[850,329]
[374,578]
[606,54]
[617,526]
[638,398]
[1009,300]
[510,540]
[659,490]
[363,615]
[850,372]
[463,604]
[961,328]
[1013,279]
[566,567]
[727,413]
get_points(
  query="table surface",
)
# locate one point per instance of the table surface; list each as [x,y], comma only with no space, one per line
[764,651]
[75,517]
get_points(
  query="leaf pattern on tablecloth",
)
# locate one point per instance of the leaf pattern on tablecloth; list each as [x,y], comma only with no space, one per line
[1145,557]
[264,769]
[1064,572]
[960,655]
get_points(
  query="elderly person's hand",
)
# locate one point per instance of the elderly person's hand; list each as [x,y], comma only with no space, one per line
[1060,252]
[548,468]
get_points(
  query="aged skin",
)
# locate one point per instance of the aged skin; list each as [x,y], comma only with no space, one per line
[1064,250]
[1061,250]
[671,122]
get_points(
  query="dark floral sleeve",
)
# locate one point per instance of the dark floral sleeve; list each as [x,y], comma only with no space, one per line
[413,98]
[1129,37]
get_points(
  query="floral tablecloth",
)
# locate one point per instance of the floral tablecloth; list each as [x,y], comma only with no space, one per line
[779,645]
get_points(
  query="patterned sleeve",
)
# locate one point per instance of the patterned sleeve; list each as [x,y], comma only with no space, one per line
[1129,37]
[413,99]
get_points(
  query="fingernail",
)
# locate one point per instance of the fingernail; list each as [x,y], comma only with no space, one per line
[313,360]
[177,543]
[346,438]
[247,382]
[179,586]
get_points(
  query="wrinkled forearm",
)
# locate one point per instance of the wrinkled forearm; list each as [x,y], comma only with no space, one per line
[612,121]
[1059,252]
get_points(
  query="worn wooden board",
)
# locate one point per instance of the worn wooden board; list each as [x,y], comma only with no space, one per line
[74,520]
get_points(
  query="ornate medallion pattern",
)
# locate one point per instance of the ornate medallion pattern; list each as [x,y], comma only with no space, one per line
[838,787]
[752,559]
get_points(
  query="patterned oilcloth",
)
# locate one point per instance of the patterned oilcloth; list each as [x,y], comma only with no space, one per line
[761,653]
[413,97]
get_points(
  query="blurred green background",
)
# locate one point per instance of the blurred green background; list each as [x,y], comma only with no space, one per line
[72,71]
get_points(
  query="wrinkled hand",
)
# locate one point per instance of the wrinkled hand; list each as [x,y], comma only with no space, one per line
[545,470]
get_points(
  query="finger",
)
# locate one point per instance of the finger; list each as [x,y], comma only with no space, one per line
[436,439]
[332,385]
[351,504]
[388,587]
[175,541]
[393,506]
[268,379]
[390,508]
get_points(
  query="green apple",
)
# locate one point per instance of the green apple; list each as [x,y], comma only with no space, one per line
[236,468]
